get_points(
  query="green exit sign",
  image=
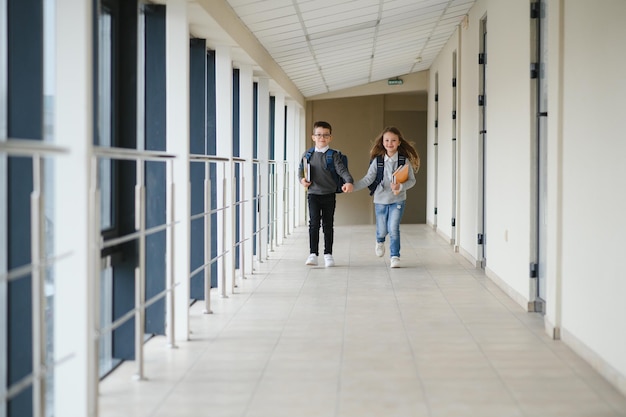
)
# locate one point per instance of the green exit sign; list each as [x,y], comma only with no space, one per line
[394,81]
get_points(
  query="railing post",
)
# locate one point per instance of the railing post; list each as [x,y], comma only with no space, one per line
[207,238]
[242,224]
[223,257]
[93,289]
[38,298]
[140,271]
[171,282]
[272,208]
[233,228]
[287,195]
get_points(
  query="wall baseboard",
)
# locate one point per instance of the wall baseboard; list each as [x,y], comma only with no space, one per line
[471,259]
[443,236]
[551,330]
[504,286]
[608,372]
[612,375]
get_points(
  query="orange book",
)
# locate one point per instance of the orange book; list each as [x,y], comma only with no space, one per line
[401,174]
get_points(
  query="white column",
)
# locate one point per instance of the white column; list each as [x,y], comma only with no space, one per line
[292,159]
[224,129]
[263,127]
[76,379]
[177,136]
[301,205]
[246,143]
[554,272]
[279,152]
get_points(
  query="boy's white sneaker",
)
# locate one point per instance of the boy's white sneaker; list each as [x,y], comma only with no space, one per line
[328,260]
[380,249]
[311,260]
[395,262]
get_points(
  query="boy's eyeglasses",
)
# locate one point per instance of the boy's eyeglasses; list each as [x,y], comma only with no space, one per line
[325,135]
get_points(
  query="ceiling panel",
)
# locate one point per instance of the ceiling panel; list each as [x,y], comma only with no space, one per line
[327,45]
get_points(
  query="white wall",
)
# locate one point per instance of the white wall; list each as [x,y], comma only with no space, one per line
[594,179]
[468,138]
[586,165]
[444,169]
[508,164]
[508,127]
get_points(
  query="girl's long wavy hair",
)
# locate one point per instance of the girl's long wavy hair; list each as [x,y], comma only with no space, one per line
[405,148]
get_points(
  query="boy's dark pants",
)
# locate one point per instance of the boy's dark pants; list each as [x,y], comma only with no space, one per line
[321,208]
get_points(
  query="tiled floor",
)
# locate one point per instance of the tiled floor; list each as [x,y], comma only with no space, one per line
[433,338]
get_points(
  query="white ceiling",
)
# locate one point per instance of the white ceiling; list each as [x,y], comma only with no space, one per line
[328,45]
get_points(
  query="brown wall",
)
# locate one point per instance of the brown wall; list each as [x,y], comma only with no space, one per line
[356,122]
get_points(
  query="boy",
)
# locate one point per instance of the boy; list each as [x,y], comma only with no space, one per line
[321,188]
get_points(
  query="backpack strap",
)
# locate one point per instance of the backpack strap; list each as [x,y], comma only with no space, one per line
[380,167]
[308,153]
[330,164]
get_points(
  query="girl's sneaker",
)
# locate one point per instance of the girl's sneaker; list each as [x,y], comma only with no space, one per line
[395,262]
[380,249]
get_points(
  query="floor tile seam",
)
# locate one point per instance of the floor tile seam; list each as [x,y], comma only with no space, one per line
[203,351]
[492,291]
[495,292]
[412,350]
[452,307]
[201,354]
[272,353]
[500,301]
[190,368]
[567,365]
[592,386]
[508,389]
[343,335]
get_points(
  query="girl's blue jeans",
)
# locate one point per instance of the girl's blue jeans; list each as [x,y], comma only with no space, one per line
[388,218]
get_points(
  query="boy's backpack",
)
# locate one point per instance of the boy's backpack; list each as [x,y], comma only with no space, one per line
[330,165]
[380,167]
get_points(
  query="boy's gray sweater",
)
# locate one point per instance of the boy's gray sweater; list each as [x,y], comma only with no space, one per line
[322,181]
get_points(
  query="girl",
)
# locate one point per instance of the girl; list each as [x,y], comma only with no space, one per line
[389,152]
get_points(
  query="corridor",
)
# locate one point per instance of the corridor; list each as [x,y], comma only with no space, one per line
[434,338]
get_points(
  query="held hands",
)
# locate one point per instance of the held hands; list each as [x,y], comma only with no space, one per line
[346,188]
[396,187]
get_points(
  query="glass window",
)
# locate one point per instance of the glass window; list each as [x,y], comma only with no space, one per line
[105,119]
[106,361]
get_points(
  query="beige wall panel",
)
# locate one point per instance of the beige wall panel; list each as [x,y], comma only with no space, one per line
[412,124]
[356,122]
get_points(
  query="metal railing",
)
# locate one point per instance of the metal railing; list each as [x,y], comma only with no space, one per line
[286,195]
[273,206]
[205,268]
[37,270]
[139,235]
[236,184]
[232,169]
